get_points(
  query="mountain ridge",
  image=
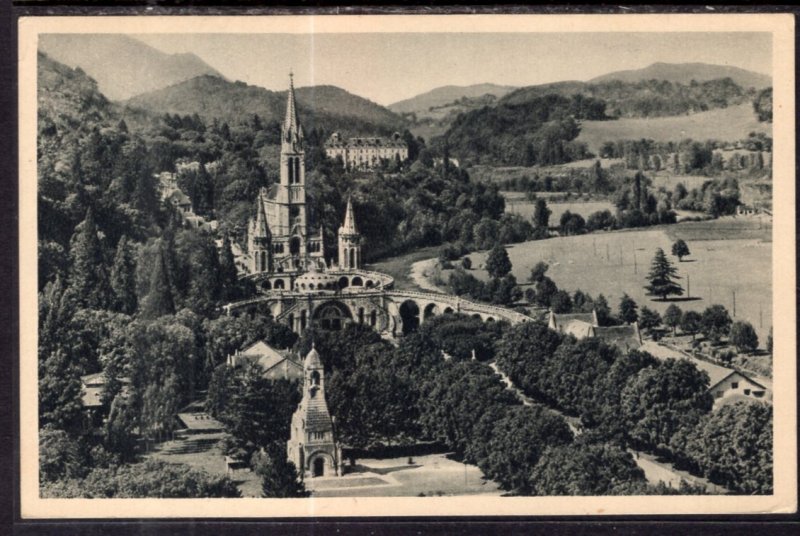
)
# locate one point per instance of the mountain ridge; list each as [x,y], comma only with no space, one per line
[684,73]
[122,65]
[329,107]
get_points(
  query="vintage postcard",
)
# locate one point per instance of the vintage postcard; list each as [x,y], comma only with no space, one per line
[293,266]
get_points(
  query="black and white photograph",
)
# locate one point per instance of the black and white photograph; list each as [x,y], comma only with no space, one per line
[408,265]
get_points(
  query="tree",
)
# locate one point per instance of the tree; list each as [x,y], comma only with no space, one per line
[661,277]
[279,476]
[498,264]
[680,249]
[627,309]
[691,321]
[715,322]
[572,224]
[649,320]
[545,290]
[159,300]
[227,271]
[88,277]
[659,400]
[60,391]
[561,302]
[585,469]
[538,272]
[672,317]
[123,278]
[734,447]
[743,336]
[59,455]
[466,263]
[541,214]
[603,311]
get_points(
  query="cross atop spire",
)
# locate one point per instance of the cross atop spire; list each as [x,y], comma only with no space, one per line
[349,225]
[292,131]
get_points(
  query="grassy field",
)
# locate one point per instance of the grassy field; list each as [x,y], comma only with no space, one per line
[729,255]
[725,124]
[399,267]
[517,204]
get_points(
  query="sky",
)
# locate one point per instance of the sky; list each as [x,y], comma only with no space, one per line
[387,68]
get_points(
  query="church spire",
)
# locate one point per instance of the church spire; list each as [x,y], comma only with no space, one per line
[261,227]
[292,131]
[349,226]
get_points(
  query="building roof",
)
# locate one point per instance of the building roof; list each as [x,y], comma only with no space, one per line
[92,387]
[179,197]
[579,325]
[625,337]
[717,373]
[349,225]
[394,142]
[312,359]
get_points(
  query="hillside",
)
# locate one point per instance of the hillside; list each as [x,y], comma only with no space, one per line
[327,107]
[442,96]
[646,98]
[122,65]
[684,73]
[727,124]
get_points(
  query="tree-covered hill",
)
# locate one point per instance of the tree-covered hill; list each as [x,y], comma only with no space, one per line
[540,130]
[326,107]
[447,95]
[645,98]
[684,73]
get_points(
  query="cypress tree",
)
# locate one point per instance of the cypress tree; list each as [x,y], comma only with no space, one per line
[123,278]
[227,271]
[159,301]
[88,277]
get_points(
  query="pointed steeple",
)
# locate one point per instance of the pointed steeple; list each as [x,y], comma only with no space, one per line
[292,131]
[261,227]
[349,226]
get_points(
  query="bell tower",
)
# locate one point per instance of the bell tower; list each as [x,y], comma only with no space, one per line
[349,241]
[260,245]
[312,446]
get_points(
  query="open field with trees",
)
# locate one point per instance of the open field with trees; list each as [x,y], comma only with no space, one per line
[731,123]
[728,255]
[517,204]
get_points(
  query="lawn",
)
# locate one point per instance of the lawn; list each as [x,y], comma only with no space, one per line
[399,267]
[432,475]
[729,255]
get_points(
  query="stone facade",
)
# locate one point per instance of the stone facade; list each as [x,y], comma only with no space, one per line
[366,153]
[312,445]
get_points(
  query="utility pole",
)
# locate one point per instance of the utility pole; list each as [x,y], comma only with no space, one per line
[688,286]
[635,267]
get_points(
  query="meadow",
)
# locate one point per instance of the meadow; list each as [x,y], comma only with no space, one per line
[726,124]
[729,256]
[517,204]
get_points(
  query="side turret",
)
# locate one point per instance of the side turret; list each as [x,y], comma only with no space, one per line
[260,239]
[349,241]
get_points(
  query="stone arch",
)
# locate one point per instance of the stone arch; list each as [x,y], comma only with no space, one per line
[490,319]
[344,282]
[369,283]
[476,315]
[320,463]
[332,315]
[357,282]
[448,310]
[409,313]
[266,285]
[279,284]
[430,311]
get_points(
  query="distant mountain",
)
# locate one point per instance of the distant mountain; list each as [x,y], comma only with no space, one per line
[684,73]
[328,107]
[643,98]
[121,65]
[445,95]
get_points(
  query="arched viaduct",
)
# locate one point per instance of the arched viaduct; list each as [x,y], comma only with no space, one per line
[392,312]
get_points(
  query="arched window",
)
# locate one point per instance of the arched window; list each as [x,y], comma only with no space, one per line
[263,261]
[278,285]
[373,318]
[290,169]
[357,282]
[297,170]
[303,320]
[352,258]
[360,315]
